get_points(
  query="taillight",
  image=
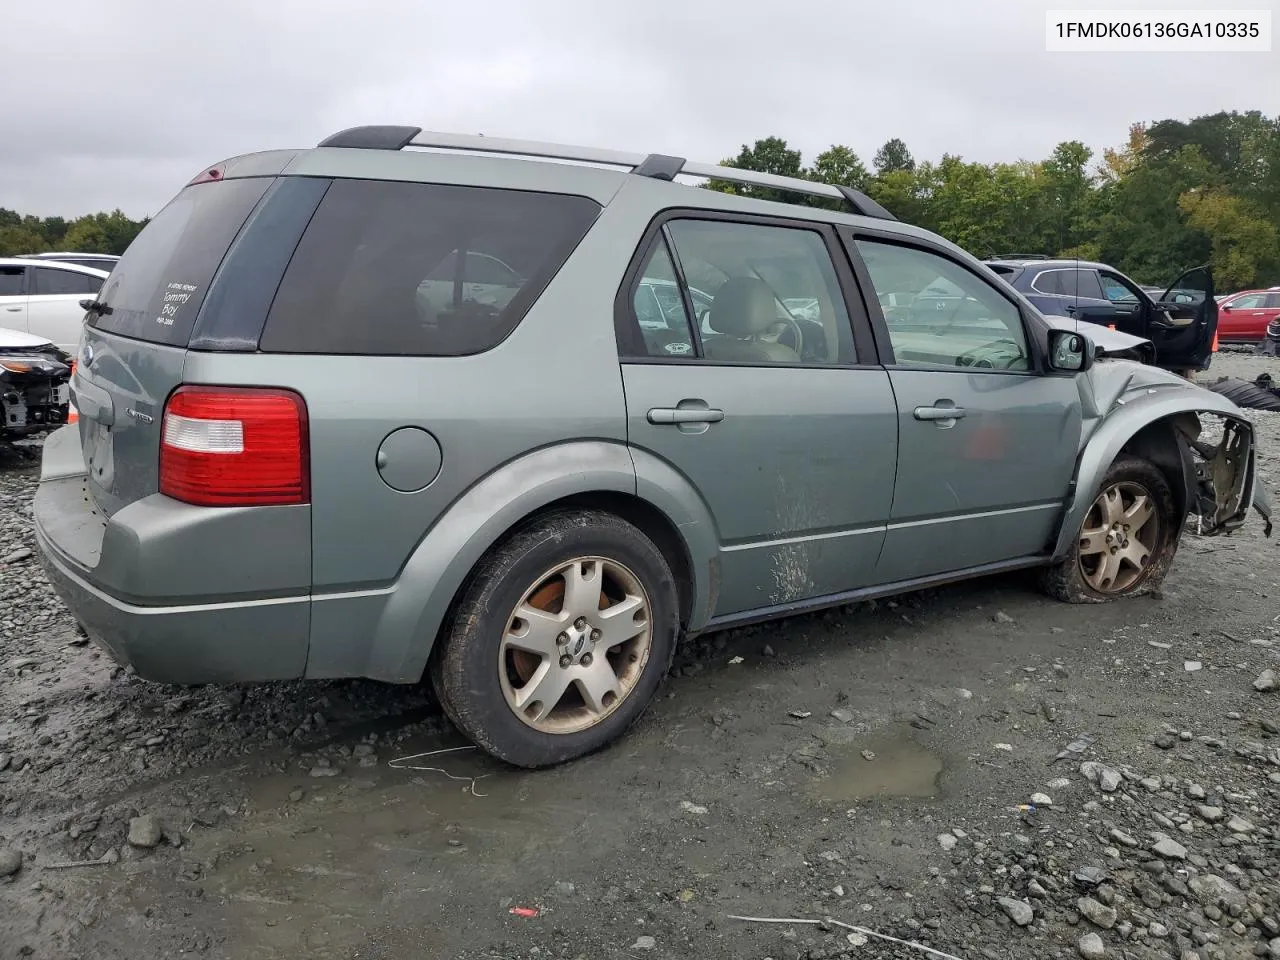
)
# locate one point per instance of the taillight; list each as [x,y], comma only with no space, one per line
[235,447]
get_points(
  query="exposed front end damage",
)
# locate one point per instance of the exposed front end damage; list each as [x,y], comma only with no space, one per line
[34,394]
[1139,410]
[1223,478]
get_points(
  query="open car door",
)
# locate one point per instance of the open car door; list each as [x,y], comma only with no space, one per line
[1185,320]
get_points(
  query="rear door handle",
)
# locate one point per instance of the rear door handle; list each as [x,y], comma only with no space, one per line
[942,410]
[684,415]
[12,309]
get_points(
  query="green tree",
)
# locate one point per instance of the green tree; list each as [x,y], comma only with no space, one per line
[87,235]
[893,156]
[1244,245]
[770,155]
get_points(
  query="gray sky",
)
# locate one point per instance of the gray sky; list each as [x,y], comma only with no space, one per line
[116,103]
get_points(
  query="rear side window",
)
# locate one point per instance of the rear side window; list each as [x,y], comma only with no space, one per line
[53,281]
[391,268]
[156,289]
[13,281]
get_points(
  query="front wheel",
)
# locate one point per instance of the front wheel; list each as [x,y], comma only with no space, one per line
[1127,541]
[560,640]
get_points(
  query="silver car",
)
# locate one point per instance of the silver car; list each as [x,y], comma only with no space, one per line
[313,443]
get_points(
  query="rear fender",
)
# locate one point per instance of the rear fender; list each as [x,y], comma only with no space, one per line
[417,606]
[1161,425]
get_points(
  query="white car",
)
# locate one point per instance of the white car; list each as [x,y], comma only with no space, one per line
[42,298]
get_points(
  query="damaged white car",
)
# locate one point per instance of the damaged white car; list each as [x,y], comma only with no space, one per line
[34,392]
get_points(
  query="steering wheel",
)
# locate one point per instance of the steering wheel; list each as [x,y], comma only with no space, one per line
[980,357]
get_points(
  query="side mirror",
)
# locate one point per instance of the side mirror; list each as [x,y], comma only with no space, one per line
[1069,352]
[1227,307]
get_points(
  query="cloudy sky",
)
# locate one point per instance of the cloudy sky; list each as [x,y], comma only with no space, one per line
[116,103]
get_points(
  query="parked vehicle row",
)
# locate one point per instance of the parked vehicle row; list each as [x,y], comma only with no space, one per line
[517,425]
[41,297]
[1180,322]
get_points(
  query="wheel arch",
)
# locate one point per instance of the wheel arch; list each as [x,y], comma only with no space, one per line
[1156,427]
[583,475]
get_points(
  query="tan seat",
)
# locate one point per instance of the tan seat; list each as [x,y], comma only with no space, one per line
[742,311]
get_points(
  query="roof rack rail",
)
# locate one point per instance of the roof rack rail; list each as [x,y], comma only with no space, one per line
[655,165]
[1018,256]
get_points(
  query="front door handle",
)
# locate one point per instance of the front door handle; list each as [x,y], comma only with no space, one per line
[941,412]
[12,309]
[684,415]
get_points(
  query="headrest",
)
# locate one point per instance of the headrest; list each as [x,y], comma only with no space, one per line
[743,307]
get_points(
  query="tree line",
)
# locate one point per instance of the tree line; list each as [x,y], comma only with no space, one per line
[94,233]
[1176,194]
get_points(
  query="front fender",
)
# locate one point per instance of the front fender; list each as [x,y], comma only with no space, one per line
[1130,414]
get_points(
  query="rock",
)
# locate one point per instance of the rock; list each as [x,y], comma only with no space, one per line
[1196,792]
[1169,849]
[1122,838]
[801,714]
[696,809]
[1019,911]
[844,716]
[1240,825]
[10,862]
[1005,747]
[1041,800]
[947,841]
[1059,783]
[5,760]
[563,888]
[363,750]
[1210,888]
[1210,814]
[1091,947]
[868,755]
[1151,784]
[1109,781]
[1267,681]
[1274,947]
[767,651]
[1191,666]
[326,771]
[145,831]
[644,943]
[1166,741]
[1002,617]
[1158,930]
[1090,876]
[295,796]
[16,556]
[1096,913]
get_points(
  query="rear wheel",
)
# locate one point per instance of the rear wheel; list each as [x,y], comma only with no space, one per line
[561,639]
[1127,541]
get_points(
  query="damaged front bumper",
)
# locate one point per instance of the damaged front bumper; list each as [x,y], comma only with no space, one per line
[34,393]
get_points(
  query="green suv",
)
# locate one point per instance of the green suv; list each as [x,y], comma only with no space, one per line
[414,404]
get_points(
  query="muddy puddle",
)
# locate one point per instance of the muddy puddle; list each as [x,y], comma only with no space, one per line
[898,767]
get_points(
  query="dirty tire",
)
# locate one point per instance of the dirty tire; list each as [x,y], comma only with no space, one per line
[466,671]
[1065,580]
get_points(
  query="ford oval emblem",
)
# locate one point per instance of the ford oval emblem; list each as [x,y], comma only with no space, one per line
[86,355]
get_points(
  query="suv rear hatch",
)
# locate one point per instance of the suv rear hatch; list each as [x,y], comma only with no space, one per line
[136,334]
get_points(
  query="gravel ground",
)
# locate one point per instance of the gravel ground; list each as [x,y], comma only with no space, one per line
[889,766]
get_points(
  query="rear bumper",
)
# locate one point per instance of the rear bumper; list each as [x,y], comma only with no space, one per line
[169,589]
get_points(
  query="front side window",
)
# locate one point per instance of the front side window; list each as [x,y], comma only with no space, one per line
[945,315]
[761,294]
[1120,292]
[1250,301]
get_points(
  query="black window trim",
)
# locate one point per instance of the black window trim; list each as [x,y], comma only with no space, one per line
[625,321]
[1031,331]
[25,289]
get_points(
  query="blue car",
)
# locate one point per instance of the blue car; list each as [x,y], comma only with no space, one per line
[1181,322]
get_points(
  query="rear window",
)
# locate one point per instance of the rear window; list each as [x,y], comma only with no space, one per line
[393,268]
[156,289]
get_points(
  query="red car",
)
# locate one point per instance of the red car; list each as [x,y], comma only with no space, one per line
[1243,316]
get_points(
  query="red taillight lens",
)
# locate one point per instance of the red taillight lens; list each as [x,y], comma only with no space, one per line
[235,447]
